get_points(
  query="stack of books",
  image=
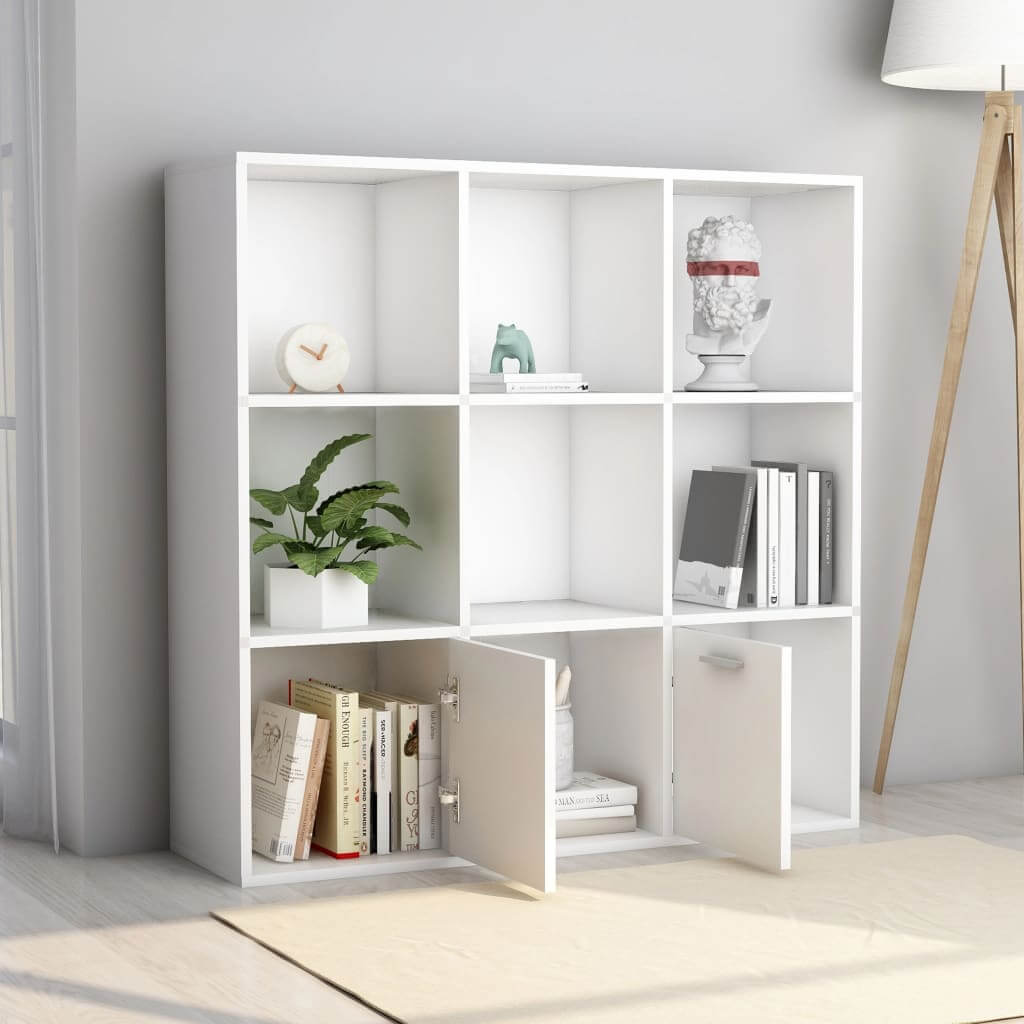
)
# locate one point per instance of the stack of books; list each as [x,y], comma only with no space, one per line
[594,805]
[526,383]
[345,773]
[759,536]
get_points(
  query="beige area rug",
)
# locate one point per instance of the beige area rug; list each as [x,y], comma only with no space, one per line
[913,931]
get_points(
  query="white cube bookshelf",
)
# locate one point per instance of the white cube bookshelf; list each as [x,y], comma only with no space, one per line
[550,523]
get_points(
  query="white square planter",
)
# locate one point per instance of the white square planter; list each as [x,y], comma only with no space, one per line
[332,600]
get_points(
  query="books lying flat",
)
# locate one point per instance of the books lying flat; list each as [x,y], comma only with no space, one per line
[519,378]
[528,388]
[588,789]
[604,811]
[566,828]
[282,745]
[710,567]
[535,383]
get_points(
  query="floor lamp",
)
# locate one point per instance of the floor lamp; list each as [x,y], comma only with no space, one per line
[965,45]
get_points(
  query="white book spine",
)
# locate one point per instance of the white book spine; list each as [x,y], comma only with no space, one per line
[813,537]
[616,795]
[773,537]
[515,378]
[365,739]
[430,776]
[586,813]
[761,537]
[787,539]
[382,765]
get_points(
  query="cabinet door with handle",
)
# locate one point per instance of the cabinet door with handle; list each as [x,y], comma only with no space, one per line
[732,725]
[501,755]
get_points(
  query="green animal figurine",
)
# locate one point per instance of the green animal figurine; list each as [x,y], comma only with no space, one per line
[512,343]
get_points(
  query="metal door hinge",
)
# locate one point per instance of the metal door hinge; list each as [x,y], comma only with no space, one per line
[449,796]
[449,694]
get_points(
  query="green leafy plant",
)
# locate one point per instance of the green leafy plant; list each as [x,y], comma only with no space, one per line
[323,530]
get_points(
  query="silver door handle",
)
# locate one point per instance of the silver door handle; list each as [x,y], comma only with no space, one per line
[719,662]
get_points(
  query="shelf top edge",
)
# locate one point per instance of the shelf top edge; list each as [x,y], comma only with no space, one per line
[267,162]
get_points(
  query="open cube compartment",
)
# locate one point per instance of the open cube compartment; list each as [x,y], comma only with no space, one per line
[809,248]
[565,522]
[374,254]
[818,743]
[617,696]
[575,262]
[414,448]
[821,435]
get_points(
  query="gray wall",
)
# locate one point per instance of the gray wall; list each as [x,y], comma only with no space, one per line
[786,86]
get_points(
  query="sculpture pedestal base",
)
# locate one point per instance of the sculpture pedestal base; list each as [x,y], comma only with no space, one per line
[722,373]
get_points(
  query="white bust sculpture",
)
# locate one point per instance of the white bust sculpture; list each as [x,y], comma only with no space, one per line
[728,318]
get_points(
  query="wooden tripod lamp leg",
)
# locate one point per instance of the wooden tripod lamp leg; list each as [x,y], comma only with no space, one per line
[997,123]
[1014,164]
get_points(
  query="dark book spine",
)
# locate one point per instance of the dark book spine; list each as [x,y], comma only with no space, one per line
[827,541]
[749,490]
[801,534]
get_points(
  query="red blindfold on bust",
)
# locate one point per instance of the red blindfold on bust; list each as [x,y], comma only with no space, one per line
[723,268]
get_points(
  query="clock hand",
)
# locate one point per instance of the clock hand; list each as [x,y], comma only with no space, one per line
[323,349]
[306,348]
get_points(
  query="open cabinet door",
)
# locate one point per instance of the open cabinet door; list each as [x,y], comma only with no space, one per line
[732,744]
[501,753]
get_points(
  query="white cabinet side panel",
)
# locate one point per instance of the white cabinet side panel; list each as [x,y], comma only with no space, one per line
[502,752]
[206,721]
[617,704]
[417,449]
[519,512]
[615,532]
[417,292]
[807,271]
[825,768]
[519,273]
[617,261]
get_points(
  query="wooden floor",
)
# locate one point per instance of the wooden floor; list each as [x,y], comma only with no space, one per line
[128,938]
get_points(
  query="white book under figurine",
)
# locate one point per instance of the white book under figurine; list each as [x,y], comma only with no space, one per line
[526,378]
[528,387]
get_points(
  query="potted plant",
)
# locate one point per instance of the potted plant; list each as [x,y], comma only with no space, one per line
[318,587]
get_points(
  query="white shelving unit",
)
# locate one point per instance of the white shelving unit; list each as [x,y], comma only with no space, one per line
[550,523]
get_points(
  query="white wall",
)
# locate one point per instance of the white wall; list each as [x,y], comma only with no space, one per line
[791,85]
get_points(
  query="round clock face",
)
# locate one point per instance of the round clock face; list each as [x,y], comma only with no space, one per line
[313,356]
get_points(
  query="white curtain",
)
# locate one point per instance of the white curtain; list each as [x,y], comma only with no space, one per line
[28,802]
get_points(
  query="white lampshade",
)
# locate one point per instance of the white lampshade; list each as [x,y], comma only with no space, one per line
[955,44]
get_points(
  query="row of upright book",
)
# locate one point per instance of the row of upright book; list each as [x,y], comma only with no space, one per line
[345,773]
[760,536]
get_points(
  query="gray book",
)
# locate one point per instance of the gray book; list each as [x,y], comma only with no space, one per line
[800,468]
[710,568]
[827,535]
[749,582]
